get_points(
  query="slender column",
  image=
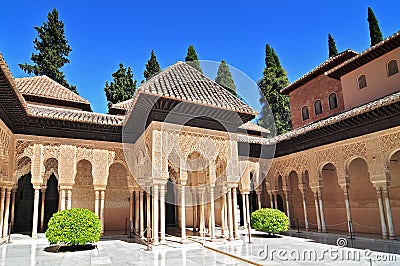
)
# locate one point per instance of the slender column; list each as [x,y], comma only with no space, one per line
[230,212]
[141,214]
[259,199]
[155,214]
[35,213]
[202,220]
[96,203]
[271,200]
[69,200]
[244,210]
[131,202]
[42,209]
[6,213]
[287,198]
[235,209]
[275,201]
[248,209]
[148,212]
[194,197]
[14,191]
[303,195]
[321,210]
[2,198]
[317,210]
[162,215]
[348,212]
[381,212]
[388,213]
[183,214]
[102,197]
[137,211]
[62,205]
[212,218]
[223,218]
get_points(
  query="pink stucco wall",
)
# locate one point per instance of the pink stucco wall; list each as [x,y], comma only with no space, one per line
[378,82]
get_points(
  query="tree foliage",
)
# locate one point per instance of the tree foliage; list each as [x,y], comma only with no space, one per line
[275,106]
[192,59]
[269,220]
[73,227]
[53,50]
[374,30]
[152,66]
[224,78]
[332,46]
[122,88]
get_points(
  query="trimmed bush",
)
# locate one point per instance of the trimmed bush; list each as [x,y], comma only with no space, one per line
[269,220]
[73,227]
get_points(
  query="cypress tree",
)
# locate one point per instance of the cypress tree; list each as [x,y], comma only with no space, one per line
[122,87]
[332,46]
[192,59]
[224,78]
[374,30]
[275,106]
[152,66]
[53,50]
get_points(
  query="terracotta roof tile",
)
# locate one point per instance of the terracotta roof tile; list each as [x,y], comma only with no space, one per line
[44,86]
[251,126]
[74,115]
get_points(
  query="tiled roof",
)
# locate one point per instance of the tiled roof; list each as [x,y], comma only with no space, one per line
[74,115]
[125,105]
[43,86]
[251,126]
[367,56]
[184,83]
[321,69]
[387,100]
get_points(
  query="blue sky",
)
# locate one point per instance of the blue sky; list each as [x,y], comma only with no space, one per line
[104,33]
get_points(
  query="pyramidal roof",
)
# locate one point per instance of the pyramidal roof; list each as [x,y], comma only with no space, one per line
[184,83]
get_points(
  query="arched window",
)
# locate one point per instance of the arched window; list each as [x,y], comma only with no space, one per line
[332,101]
[318,107]
[304,113]
[392,68]
[362,82]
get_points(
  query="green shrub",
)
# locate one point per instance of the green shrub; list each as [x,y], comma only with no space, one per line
[73,227]
[269,220]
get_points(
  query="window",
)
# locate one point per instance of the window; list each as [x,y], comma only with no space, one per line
[362,82]
[318,107]
[304,113]
[392,68]
[332,101]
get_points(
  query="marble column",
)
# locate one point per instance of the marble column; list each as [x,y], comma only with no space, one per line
[321,210]
[137,211]
[259,199]
[14,192]
[96,203]
[183,214]
[235,210]
[271,200]
[348,212]
[248,209]
[388,213]
[69,200]
[155,214]
[141,213]
[35,212]
[317,210]
[42,209]
[202,218]
[212,212]
[223,218]
[162,215]
[102,198]
[148,214]
[275,200]
[244,211]
[2,198]
[287,199]
[230,213]
[6,212]
[194,198]
[131,202]
[381,213]
[303,196]
[62,204]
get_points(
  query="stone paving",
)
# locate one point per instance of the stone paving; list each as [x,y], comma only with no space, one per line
[285,250]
